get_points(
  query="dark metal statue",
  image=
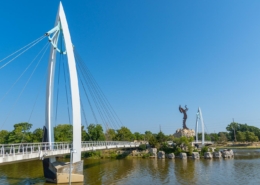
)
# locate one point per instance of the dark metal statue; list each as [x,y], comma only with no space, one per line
[184,116]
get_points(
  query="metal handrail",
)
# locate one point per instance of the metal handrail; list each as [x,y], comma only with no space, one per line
[29,148]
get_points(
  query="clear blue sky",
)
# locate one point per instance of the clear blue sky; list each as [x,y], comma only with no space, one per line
[149,57]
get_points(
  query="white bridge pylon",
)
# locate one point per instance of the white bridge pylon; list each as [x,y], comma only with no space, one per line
[199,118]
[61,27]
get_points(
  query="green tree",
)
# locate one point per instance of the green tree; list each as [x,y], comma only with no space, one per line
[222,137]
[124,134]
[3,136]
[138,136]
[147,135]
[233,128]
[242,128]
[63,133]
[251,137]
[20,134]
[161,137]
[84,134]
[206,136]
[37,135]
[213,137]
[170,137]
[110,135]
[241,136]
[183,142]
[153,142]
[95,133]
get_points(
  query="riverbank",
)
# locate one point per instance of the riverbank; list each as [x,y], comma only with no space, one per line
[255,145]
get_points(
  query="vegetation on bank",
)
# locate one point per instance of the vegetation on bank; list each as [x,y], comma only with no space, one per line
[94,132]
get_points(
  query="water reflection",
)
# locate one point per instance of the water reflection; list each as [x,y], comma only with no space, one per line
[239,170]
[185,170]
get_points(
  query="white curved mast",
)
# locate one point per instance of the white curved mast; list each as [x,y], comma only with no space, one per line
[199,117]
[62,25]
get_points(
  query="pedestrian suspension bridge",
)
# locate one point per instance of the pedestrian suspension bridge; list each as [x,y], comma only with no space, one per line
[59,41]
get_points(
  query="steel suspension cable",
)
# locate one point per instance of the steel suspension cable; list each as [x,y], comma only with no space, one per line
[93,97]
[115,116]
[107,115]
[85,118]
[100,101]
[92,110]
[21,53]
[23,73]
[40,89]
[40,38]
[38,93]
[24,87]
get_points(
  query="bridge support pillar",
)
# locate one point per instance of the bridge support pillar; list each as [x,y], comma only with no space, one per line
[59,172]
[55,171]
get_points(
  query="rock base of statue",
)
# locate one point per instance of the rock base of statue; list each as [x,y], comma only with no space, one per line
[184,132]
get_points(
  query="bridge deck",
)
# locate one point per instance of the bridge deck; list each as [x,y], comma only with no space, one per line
[12,153]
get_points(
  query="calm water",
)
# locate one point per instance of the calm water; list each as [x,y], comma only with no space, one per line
[243,169]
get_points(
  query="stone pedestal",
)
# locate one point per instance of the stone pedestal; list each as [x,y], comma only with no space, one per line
[58,172]
[153,152]
[184,132]
[161,155]
[171,156]
[183,155]
[195,155]
[208,155]
[227,153]
[217,154]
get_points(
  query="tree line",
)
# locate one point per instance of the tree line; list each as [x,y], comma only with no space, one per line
[235,132]
[94,132]
[22,133]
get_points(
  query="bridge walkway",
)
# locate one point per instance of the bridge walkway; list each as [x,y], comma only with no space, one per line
[12,153]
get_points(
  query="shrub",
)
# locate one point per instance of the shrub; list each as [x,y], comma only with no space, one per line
[146,155]
[142,147]
[92,154]
[203,150]
[177,150]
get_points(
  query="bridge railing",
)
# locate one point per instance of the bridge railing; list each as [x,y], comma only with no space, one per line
[29,148]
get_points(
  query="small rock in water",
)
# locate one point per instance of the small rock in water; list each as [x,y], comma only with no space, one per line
[195,155]
[207,155]
[183,155]
[171,156]
[161,155]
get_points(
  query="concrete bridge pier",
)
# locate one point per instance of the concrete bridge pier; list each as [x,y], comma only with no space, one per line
[59,172]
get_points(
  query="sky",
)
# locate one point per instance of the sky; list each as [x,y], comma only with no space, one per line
[147,56]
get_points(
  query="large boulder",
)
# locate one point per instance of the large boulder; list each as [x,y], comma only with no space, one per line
[217,154]
[208,155]
[195,155]
[227,153]
[184,132]
[183,155]
[171,156]
[153,152]
[161,155]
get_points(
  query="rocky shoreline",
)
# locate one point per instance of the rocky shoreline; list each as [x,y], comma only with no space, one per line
[153,153]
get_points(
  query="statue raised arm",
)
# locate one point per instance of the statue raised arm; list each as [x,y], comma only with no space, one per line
[184,116]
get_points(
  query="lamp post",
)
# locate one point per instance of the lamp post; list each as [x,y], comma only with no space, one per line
[71,155]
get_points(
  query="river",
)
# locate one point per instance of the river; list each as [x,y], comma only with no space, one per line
[243,169]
